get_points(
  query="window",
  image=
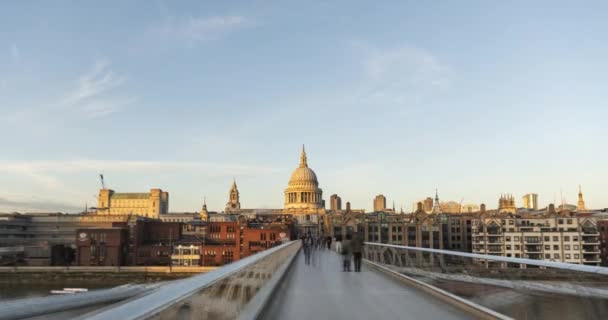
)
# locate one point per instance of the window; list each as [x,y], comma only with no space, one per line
[567,247]
[556,256]
[516,238]
[560,221]
[575,238]
[555,238]
[576,247]
[577,256]
[547,247]
[508,238]
[93,251]
[510,222]
[517,247]
[262,236]
[547,256]
[555,247]
[567,256]
[569,221]
[566,238]
[547,238]
[508,247]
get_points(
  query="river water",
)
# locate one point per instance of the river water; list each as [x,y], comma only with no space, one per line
[527,305]
[10,291]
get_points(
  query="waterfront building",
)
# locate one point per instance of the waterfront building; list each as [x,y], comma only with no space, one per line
[530,201]
[554,236]
[148,204]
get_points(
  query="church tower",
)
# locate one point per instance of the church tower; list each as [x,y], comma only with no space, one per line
[233,198]
[436,206]
[580,206]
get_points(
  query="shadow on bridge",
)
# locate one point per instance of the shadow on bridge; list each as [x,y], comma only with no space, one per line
[321,290]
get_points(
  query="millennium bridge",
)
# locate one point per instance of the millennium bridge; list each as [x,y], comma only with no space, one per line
[396,282]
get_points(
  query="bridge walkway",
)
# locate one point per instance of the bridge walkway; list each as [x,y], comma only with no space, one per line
[321,290]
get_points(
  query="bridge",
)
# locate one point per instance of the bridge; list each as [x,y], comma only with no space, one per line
[396,282]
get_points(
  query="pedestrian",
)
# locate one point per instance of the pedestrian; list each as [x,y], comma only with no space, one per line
[346,253]
[329,242]
[356,245]
[307,244]
[339,244]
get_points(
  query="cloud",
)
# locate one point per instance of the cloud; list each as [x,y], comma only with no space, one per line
[121,166]
[94,84]
[190,31]
[36,205]
[402,74]
[15,53]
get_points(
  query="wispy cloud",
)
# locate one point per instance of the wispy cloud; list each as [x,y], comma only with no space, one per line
[15,53]
[189,31]
[401,74]
[98,92]
[94,95]
[94,83]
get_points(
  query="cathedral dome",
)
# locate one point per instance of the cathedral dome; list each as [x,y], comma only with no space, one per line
[303,189]
[303,175]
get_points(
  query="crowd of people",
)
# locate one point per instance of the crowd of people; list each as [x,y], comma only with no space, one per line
[350,248]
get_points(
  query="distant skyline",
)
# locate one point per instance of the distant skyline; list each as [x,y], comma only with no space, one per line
[474,98]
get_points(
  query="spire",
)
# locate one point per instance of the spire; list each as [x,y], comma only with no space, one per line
[581,203]
[303,160]
[205,203]
[436,206]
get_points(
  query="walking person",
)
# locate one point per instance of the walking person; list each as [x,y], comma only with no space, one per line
[328,242]
[307,245]
[339,244]
[346,253]
[357,249]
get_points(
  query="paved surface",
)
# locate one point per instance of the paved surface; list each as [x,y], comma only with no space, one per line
[321,291]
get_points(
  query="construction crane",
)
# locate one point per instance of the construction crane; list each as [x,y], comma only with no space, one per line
[103,184]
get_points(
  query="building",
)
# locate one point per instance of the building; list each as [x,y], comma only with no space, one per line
[148,204]
[580,206]
[137,241]
[506,204]
[379,203]
[530,201]
[450,207]
[562,237]
[234,203]
[602,226]
[335,202]
[102,246]
[186,254]
[427,205]
[469,208]
[304,199]
[49,238]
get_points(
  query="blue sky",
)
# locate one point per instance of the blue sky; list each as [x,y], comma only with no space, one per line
[475,98]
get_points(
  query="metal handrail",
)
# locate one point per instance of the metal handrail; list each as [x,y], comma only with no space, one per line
[179,290]
[541,263]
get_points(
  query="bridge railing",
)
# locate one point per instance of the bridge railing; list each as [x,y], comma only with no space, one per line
[470,275]
[220,294]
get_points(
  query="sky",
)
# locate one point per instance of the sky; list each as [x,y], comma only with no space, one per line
[474,98]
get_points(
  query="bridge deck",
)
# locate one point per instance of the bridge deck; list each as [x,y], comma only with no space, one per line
[322,291]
